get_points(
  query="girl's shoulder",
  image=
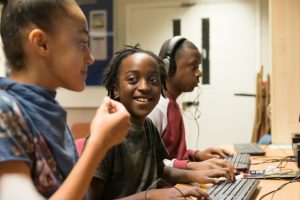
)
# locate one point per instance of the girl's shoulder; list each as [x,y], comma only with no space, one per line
[7,102]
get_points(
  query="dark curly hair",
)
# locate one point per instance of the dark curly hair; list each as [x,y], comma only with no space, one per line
[110,75]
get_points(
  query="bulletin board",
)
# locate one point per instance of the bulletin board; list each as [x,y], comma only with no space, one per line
[99,14]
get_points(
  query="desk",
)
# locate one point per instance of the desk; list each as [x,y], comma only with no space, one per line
[290,191]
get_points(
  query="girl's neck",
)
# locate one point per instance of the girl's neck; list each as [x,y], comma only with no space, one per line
[137,121]
[33,73]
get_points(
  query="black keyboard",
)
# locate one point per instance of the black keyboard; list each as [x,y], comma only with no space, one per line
[250,148]
[240,161]
[242,189]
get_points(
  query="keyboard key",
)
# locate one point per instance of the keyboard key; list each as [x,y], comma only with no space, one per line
[240,161]
[239,190]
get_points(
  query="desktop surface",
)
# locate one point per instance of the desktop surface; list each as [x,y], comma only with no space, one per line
[275,153]
[273,156]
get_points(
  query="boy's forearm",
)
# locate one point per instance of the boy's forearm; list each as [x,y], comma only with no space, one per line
[174,175]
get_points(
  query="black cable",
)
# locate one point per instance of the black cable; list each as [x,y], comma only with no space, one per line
[296,179]
[167,184]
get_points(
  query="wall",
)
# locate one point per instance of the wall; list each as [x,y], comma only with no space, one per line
[82,106]
[265,58]
[285,87]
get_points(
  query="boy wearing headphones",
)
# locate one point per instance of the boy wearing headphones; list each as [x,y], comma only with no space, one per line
[182,59]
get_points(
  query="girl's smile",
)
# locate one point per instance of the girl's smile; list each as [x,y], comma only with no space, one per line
[138,85]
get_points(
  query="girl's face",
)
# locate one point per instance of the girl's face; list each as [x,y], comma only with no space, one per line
[70,56]
[139,85]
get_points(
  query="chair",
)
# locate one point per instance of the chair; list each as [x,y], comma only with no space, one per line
[80,130]
[79,145]
[262,124]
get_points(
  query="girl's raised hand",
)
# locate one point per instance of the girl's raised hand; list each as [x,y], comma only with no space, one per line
[110,124]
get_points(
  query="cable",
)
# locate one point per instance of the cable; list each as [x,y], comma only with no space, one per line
[167,184]
[281,149]
[195,101]
[296,179]
[280,160]
[197,113]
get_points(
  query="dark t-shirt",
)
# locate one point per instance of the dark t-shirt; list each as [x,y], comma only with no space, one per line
[131,166]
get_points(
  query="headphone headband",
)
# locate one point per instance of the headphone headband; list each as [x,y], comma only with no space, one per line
[168,59]
[173,45]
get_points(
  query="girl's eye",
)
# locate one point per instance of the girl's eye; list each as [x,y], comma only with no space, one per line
[154,80]
[132,80]
[83,42]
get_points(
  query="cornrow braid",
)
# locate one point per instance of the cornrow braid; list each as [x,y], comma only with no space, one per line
[110,75]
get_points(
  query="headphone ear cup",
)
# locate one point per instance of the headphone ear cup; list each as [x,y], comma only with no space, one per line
[167,64]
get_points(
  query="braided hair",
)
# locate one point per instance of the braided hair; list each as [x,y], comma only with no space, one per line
[111,72]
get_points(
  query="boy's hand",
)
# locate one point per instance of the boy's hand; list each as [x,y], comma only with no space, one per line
[212,163]
[172,193]
[212,153]
[212,175]
[110,124]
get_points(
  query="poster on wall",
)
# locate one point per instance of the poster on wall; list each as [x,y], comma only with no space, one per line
[98,34]
[98,47]
[100,23]
[98,20]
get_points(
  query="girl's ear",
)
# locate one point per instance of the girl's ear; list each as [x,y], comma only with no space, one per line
[38,41]
[116,92]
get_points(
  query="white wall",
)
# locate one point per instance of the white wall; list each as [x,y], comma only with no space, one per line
[82,106]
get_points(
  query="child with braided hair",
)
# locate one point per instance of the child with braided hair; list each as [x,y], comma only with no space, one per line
[136,78]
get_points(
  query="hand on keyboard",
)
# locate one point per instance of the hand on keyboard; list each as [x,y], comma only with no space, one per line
[212,163]
[223,164]
[212,175]
[212,153]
